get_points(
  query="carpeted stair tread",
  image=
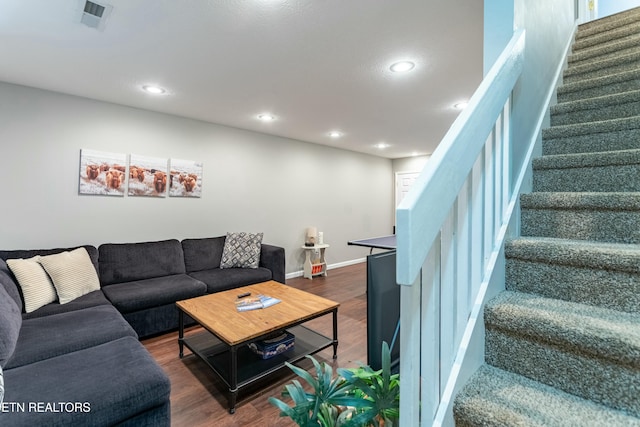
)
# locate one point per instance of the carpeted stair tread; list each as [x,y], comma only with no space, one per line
[604,275]
[583,160]
[601,108]
[582,200]
[626,139]
[494,397]
[598,332]
[601,217]
[599,86]
[604,50]
[589,128]
[603,67]
[610,171]
[606,256]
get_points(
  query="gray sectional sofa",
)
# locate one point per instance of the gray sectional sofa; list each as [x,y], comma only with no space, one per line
[81,363]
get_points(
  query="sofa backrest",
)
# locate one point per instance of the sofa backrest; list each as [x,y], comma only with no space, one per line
[30,253]
[127,262]
[203,254]
[8,280]
[10,323]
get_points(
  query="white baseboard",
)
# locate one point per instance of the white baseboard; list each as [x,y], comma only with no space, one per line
[300,273]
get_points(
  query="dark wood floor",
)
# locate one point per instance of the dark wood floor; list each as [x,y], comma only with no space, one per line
[198,398]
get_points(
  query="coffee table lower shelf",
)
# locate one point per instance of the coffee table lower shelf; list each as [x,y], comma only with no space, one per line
[250,367]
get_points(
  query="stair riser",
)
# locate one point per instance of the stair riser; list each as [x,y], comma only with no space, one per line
[598,113]
[628,65]
[600,90]
[597,225]
[621,140]
[618,178]
[565,369]
[616,290]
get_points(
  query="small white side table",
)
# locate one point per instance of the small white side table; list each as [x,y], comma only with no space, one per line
[317,268]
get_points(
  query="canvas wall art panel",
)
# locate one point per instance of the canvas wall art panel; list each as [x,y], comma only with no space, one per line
[102,173]
[185,178]
[147,176]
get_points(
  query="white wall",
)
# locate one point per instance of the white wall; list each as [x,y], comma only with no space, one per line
[609,7]
[498,29]
[410,164]
[251,181]
[548,24]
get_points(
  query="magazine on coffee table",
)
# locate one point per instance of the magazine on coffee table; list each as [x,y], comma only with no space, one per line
[255,303]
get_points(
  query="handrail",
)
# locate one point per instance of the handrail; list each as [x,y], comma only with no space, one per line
[423,210]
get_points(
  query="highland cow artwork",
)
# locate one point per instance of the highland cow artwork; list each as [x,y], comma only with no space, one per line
[148,176]
[102,173]
[185,178]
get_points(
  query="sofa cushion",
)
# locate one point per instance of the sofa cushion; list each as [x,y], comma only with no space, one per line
[37,289]
[50,336]
[9,284]
[222,279]
[10,322]
[113,382]
[127,262]
[202,254]
[141,294]
[72,273]
[241,250]
[92,299]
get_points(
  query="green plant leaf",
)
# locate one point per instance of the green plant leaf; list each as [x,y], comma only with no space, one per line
[304,374]
[297,413]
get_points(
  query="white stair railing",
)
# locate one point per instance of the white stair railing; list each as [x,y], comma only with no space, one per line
[450,229]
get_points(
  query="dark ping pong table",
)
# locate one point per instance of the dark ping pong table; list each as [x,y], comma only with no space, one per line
[382,242]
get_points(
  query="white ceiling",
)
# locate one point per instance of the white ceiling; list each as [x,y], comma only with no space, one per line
[317,65]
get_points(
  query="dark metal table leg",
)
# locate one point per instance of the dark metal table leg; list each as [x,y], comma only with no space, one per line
[181,332]
[233,389]
[335,333]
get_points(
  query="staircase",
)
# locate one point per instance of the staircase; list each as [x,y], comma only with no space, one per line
[562,344]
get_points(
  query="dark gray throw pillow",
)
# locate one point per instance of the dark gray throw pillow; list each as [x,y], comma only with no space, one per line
[241,250]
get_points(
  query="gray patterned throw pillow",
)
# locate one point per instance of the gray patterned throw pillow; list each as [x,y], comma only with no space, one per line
[241,250]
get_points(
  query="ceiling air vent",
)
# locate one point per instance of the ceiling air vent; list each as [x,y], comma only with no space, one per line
[94,15]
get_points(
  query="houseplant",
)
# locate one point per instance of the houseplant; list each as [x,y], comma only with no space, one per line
[356,397]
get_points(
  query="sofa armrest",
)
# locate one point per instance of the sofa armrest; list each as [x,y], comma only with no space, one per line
[272,257]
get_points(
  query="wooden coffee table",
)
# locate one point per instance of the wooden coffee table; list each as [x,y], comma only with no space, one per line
[223,346]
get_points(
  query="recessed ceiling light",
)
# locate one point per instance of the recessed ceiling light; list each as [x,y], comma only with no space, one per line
[335,134]
[402,66]
[266,117]
[381,146]
[461,105]
[156,90]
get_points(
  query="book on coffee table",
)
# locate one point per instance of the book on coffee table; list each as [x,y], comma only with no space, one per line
[255,303]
